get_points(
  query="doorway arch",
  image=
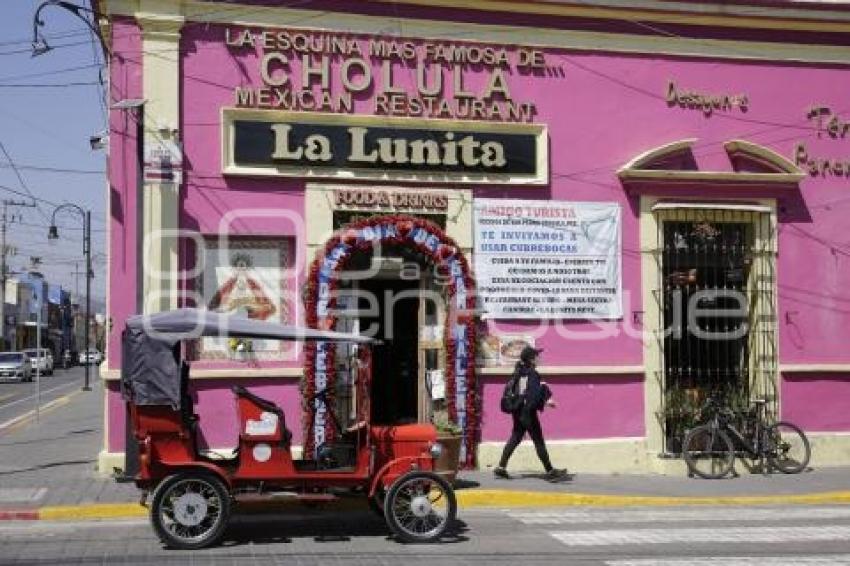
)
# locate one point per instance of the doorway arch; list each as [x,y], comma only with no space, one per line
[459,332]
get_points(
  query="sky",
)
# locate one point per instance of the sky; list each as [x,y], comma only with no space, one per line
[48,127]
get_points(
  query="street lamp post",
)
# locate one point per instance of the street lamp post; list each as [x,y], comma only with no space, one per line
[53,234]
[39,42]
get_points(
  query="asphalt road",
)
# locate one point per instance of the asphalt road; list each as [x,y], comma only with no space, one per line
[17,399]
[751,536]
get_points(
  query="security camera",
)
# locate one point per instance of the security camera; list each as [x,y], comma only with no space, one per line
[98,141]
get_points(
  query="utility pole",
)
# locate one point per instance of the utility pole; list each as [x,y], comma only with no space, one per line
[4,250]
[38,354]
[89,275]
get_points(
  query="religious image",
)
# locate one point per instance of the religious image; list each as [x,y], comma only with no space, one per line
[245,280]
[243,293]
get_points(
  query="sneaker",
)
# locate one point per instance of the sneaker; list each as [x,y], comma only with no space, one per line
[500,472]
[555,474]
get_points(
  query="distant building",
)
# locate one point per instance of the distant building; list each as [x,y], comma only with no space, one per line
[59,320]
[32,294]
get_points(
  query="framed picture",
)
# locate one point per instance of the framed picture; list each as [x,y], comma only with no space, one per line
[511,346]
[245,279]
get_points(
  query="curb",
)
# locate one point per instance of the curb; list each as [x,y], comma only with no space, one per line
[19,515]
[485,498]
[507,498]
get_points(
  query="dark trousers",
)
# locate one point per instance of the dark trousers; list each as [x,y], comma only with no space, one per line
[531,424]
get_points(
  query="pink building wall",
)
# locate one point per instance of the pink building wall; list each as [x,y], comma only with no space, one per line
[125,82]
[588,407]
[602,110]
[816,402]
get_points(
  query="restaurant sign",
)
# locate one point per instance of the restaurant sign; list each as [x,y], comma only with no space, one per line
[306,144]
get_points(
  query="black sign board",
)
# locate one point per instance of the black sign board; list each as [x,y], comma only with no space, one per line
[358,146]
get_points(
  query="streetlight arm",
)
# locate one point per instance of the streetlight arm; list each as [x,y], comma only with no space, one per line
[66,205]
[54,232]
[37,22]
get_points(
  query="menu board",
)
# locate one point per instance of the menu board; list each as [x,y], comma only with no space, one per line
[548,259]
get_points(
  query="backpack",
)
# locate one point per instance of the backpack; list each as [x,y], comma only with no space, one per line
[511,400]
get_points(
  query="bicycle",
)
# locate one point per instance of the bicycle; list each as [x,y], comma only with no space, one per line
[709,451]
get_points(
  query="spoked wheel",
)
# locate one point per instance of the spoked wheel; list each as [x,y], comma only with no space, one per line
[190,510]
[708,452]
[420,506]
[787,448]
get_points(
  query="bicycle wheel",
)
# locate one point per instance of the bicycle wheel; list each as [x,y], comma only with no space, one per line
[708,452]
[787,448]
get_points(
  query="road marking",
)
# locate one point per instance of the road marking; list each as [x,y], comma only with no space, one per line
[527,499]
[22,494]
[93,511]
[42,528]
[12,424]
[678,515]
[45,392]
[6,396]
[824,560]
[710,536]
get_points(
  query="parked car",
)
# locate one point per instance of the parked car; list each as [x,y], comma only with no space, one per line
[41,360]
[15,366]
[93,356]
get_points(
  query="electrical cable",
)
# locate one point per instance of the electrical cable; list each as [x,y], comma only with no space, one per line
[52,47]
[45,169]
[51,85]
[51,203]
[47,73]
[76,32]
[21,178]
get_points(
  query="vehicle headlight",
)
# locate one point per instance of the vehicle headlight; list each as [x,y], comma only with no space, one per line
[436,450]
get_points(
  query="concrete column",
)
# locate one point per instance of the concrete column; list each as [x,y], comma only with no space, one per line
[161,22]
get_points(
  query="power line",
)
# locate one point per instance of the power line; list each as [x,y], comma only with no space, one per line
[102,94]
[43,200]
[45,169]
[28,195]
[55,35]
[57,46]
[48,73]
[21,178]
[62,226]
[51,85]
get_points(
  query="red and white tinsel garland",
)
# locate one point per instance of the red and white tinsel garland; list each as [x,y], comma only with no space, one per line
[459,333]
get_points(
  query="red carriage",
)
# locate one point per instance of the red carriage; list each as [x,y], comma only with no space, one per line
[193,494]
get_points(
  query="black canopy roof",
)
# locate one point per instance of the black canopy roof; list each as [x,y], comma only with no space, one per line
[151,368]
[182,324]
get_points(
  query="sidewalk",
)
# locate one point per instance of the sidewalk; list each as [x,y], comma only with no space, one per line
[47,471]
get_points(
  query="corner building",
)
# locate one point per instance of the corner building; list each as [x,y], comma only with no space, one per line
[654,194]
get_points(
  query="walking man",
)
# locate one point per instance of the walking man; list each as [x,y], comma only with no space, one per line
[535,396]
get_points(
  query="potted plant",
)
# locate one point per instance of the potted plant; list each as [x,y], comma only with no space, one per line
[240,348]
[450,436]
[680,414]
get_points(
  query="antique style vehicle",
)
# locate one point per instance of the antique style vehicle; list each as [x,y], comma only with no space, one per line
[193,495]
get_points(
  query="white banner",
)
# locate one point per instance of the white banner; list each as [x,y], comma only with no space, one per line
[548,259]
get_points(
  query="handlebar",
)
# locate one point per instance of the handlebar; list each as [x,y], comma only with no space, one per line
[715,404]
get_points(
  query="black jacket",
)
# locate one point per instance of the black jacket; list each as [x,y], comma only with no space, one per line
[536,392]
